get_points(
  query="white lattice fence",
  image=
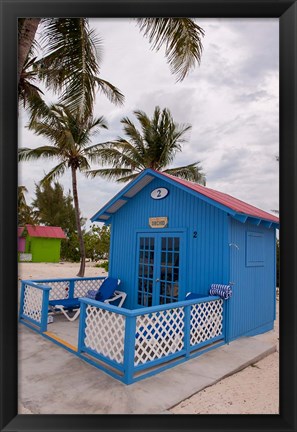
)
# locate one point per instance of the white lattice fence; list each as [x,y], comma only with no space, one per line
[81,287]
[59,290]
[206,321]
[104,333]
[158,334]
[32,306]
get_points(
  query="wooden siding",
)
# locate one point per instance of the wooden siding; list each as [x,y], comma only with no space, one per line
[206,254]
[43,249]
[252,270]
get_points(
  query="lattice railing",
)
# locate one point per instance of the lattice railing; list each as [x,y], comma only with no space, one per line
[104,333]
[206,321]
[81,287]
[131,342]
[128,343]
[59,289]
[158,334]
[32,303]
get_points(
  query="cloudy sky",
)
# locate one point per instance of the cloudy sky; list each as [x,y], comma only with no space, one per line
[231,100]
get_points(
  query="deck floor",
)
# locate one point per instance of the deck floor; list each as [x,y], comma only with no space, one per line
[65,330]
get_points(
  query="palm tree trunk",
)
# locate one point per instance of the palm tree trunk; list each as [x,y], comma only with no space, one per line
[26,34]
[82,250]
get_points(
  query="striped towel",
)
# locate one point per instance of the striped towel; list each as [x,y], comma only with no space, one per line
[224,291]
[91,294]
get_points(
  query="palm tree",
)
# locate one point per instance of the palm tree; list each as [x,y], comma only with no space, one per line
[27,28]
[26,215]
[181,38]
[155,147]
[71,59]
[29,94]
[21,196]
[70,66]
[70,136]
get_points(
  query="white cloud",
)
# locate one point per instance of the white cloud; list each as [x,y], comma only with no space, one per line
[231,101]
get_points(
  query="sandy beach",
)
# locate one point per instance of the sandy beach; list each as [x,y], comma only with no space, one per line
[254,390]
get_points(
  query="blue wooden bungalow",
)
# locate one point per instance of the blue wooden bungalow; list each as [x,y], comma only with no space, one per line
[171,237]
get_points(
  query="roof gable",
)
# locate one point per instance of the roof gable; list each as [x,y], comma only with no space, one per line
[43,231]
[227,200]
[237,208]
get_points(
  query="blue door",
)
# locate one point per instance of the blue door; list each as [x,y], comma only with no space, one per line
[159,264]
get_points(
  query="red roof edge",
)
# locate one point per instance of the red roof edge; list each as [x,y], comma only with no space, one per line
[45,231]
[224,199]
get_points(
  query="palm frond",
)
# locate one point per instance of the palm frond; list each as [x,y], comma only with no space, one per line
[57,171]
[47,130]
[112,93]
[71,61]
[154,147]
[84,164]
[134,135]
[127,178]
[190,172]
[25,154]
[109,173]
[113,156]
[118,153]
[181,38]
[38,108]
[21,196]
[29,94]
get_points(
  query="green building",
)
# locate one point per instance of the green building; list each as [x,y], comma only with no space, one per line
[40,243]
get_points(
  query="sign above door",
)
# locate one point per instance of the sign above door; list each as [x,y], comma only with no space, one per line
[158,222]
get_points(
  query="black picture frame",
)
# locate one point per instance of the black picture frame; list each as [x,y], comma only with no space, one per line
[286,11]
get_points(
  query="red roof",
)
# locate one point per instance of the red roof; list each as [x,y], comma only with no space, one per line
[226,200]
[43,231]
[235,206]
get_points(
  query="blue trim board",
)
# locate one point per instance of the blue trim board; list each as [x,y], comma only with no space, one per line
[203,351]
[101,367]
[104,359]
[22,299]
[160,369]
[147,310]
[44,310]
[187,330]
[119,195]
[208,342]
[153,363]
[35,327]
[34,282]
[71,288]
[275,275]
[82,326]
[129,349]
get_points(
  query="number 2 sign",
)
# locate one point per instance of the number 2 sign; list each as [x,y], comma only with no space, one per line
[159,193]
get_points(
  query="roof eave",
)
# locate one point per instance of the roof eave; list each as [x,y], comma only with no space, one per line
[268,223]
[119,195]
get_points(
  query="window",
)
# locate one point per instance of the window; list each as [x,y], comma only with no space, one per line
[254,249]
